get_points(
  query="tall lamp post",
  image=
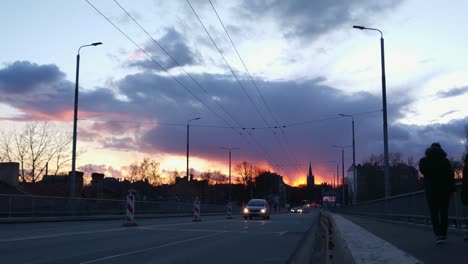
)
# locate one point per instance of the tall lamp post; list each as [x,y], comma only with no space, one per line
[75,119]
[188,144]
[384,102]
[354,157]
[230,186]
[342,171]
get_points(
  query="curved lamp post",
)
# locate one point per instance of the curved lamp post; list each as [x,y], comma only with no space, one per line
[384,102]
[75,119]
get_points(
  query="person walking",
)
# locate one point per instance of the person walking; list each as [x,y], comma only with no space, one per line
[464,192]
[439,184]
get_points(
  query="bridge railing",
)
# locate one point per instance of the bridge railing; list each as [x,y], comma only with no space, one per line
[51,206]
[410,207]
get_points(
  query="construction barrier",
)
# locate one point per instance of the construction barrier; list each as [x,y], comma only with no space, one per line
[196,211]
[229,210]
[130,219]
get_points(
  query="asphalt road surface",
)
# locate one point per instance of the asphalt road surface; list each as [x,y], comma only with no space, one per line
[164,240]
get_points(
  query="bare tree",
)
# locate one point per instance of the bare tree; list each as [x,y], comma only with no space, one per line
[134,172]
[219,178]
[207,175]
[375,160]
[173,176]
[247,172]
[395,158]
[150,171]
[34,147]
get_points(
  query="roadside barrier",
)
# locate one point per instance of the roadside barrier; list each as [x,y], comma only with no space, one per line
[196,211]
[130,219]
[229,210]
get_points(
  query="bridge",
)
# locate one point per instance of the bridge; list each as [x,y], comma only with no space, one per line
[37,229]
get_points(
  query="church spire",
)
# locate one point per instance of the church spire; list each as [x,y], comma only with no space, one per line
[310,169]
[310,177]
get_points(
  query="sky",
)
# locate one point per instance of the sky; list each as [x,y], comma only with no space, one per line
[274,87]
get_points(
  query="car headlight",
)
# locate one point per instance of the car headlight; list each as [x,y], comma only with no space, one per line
[300,210]
[246,210]
[263,211]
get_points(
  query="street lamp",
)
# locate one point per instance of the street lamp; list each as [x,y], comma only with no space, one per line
[75,119]
[230,186]
[354,154]
[342,168]
[188,138]
[384,102]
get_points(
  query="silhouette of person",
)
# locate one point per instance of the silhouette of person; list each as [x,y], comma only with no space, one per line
[464,193]
[439,184]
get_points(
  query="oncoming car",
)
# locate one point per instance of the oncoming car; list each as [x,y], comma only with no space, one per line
[297,210]
[256,208]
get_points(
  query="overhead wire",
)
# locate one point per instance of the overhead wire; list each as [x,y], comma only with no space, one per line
[157,63]
[176,62]
[163,68]
[232,70]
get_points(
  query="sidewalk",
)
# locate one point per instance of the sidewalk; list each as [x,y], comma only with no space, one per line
[417,240]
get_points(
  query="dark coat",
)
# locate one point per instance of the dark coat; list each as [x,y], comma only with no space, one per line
[464,193]
[437,171]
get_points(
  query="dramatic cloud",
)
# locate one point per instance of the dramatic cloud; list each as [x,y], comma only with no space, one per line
[153,116]
[175,45]
[453,92]
[24,77]
[309,19]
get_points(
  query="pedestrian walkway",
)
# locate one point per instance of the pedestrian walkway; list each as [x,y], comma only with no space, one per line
[417,240]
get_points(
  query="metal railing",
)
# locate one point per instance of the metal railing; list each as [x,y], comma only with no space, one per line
[410,207]
[12,206]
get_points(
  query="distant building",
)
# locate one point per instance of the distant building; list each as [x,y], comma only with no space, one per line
[9,173]
[310,178]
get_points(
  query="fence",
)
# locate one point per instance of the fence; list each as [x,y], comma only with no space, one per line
[410,207]
[50,206]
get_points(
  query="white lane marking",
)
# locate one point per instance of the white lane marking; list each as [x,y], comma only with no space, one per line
[62,234]
[192,223]
[210,230]
[150,248]
[95,231]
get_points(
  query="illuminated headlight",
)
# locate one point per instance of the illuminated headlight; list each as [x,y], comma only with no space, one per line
[246,210]
[263,211]
[292,210]
[300,210]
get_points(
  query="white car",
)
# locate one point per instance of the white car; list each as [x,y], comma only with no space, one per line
[256,208]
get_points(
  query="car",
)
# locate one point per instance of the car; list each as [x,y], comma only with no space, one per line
[256,208]
[297,210]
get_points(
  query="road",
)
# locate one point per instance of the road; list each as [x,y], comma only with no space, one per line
[167,240]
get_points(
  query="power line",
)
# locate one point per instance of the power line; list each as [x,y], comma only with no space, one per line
[157,63]
[233,73]
[175,61]
[162,67]
[286,146]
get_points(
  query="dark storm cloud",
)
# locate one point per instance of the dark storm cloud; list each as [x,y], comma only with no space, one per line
[175,45]
[453,92]
[305,18]
[24,76]
[41,92]
[308,111]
